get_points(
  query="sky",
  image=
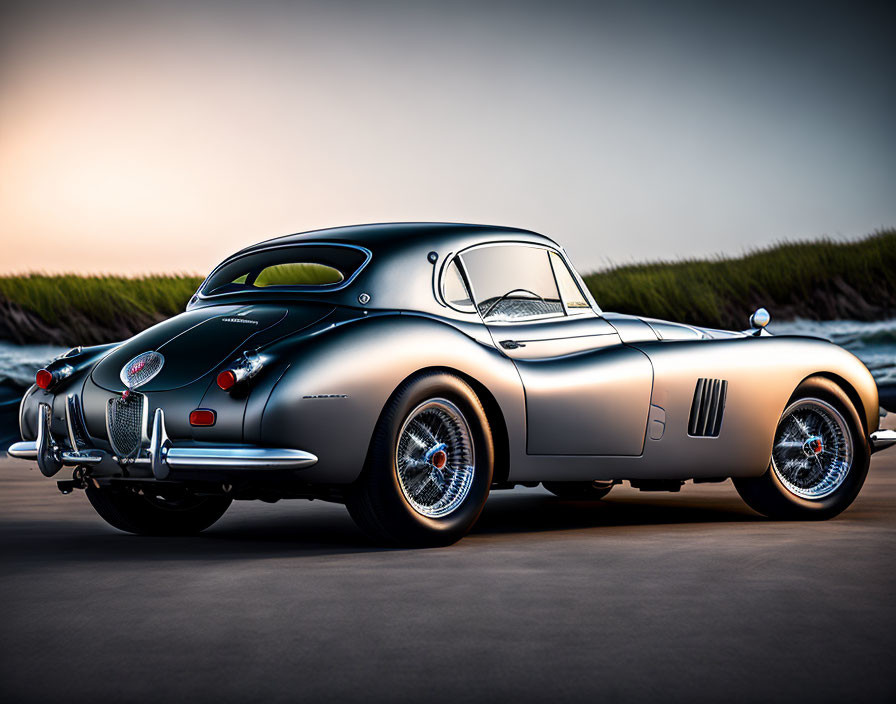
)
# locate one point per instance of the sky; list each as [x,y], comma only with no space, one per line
[162,136]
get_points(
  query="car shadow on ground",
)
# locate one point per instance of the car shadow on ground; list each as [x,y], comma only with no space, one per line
[548,513]
[290,532]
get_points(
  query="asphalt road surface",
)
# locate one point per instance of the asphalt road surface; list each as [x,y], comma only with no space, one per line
[684,597]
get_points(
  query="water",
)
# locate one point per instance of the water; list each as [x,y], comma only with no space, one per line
[19,363]
[873,343]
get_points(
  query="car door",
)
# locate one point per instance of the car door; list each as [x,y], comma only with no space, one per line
[586,392]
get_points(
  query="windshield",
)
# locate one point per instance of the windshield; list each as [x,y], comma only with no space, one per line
[512,282]
[302,267]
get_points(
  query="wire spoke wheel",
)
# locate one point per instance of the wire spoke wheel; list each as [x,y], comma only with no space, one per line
[429,467]
[435,459]
[813,451]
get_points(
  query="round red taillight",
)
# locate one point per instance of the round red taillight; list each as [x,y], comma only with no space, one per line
[44,378]
[226,379]
[202,416]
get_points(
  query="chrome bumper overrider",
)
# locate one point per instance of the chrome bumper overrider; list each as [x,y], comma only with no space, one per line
[882,439]
[161,455]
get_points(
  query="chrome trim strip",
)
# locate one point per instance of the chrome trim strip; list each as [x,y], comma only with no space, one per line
[48,459]
[69,422]
[239,458]
[82,457]
[144,421]
[158,446]
[882,439]
[109,402]
[582,285]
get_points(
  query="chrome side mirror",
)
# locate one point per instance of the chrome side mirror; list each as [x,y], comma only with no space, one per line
[760,319]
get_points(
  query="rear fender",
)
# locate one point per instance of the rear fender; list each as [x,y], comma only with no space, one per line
[329,399]
[76,366]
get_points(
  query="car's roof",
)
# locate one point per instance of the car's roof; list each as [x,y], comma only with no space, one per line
[402,271]
[392,236]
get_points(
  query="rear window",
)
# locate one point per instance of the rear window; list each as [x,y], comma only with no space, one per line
[304,267]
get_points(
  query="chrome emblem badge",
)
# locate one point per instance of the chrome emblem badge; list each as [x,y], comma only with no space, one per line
[141,369]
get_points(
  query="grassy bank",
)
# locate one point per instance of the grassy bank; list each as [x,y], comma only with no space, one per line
[69,309]
[817,280]
[820,280]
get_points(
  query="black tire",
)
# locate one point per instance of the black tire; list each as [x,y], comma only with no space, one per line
[146,515]
[579,491]
[377,500]
[770,496]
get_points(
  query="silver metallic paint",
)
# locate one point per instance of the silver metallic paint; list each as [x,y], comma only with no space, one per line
[624,384]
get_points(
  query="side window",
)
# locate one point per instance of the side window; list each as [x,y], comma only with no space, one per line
[569,290]
[512,283]
[454,290]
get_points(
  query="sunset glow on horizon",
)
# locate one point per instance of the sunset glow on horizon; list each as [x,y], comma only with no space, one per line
[161,137]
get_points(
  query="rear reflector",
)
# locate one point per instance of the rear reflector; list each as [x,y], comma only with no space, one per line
[203,417]
[44,379]
[226,379]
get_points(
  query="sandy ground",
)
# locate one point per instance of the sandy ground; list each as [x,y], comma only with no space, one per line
[684,597]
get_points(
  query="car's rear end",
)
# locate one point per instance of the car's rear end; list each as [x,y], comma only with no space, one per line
[181,400]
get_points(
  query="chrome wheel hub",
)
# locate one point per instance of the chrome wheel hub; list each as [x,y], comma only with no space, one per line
[813,450]
[434,458]
[813,446]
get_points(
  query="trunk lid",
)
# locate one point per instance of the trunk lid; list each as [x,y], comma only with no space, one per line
[200,341]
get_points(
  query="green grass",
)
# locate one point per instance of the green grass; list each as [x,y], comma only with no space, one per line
[817,280]
[71,309]
[98,298]
[820,280]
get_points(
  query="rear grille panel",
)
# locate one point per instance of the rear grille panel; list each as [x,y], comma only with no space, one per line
[707,408]
[125,424]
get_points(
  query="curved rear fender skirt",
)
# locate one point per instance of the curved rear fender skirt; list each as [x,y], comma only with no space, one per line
[329,400]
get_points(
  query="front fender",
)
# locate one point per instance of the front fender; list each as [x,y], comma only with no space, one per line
[329,399]
[762,374]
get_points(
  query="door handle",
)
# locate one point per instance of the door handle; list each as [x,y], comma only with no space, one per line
[511,344]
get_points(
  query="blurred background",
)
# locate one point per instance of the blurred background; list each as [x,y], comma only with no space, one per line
[662,143]
[697,158]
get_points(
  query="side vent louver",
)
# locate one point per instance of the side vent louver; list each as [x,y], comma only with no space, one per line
[707,407]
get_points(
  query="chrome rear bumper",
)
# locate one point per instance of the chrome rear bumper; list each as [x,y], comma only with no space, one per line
[162,456]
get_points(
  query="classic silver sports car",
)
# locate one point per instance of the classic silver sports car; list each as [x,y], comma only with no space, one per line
[408,369]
